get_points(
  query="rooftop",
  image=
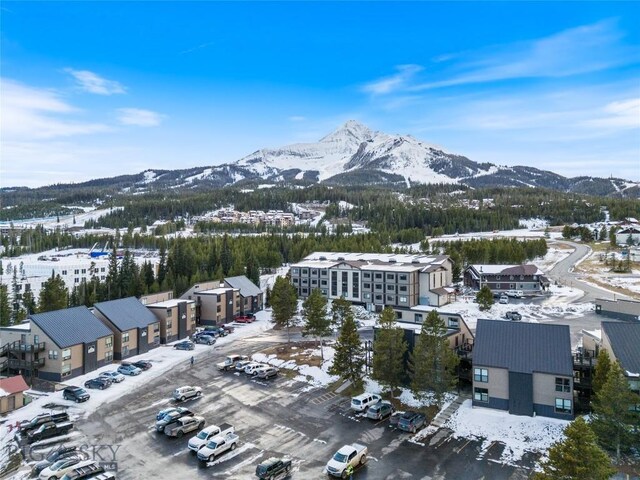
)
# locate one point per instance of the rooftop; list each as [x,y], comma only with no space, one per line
[169,303]
[126,313]
[12,385]
[246,286]
[71,326]
[625,343]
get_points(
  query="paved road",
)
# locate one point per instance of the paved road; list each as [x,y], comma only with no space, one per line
[563,273]
[275,418]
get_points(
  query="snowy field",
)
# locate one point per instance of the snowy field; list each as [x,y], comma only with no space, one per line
[520,434]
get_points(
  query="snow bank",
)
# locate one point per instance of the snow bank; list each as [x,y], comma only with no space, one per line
[519,434]
[315,376]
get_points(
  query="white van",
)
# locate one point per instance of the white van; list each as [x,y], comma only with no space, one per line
[514,293]
[362,402]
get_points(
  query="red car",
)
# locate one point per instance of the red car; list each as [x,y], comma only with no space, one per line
[245,318]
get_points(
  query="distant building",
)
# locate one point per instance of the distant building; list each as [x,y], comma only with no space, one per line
[523,368]
[628,310]
[628,233]
[177,317]
[11,393]
[501,278]
[135,329]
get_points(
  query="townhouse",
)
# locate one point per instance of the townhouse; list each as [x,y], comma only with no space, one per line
[374,280]
[12,393]
[251,297]
[58,345]
[215,303]
[177,317]
[135,329]
[501,278]
[523,368]
[628,235]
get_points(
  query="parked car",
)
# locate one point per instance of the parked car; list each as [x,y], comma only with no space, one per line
[229,328]
[184,345]
[76,394]
[216,331]
[363,401]
[247,318]
[514,293]
[395,418]
[380,410]
[172,417]
[142,364]
[411,421]
[205,339]
[112,375]
[273,467]
[165,411]
[252,368]
[48,430]
[182,393]
[91,470]
[99,382]
[267,372]
[240,366]
[217,446]
[515,316]
[54,456]
[128,369]
[208,433]
[354,455]
[38,420]
[59,468]
[504,299]
[184,425]
[230,362]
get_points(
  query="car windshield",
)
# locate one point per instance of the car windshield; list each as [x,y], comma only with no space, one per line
[202,435]
[340,457]
[262,469]
[212,445]
[59,464]
[81,391]
[356,402]
[374,409]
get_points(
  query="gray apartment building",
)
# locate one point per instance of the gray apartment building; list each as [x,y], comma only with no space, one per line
[622,341]
[628,310]
[376,280]
[523,368]
[501,278]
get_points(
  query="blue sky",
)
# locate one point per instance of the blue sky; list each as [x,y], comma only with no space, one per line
[100,89]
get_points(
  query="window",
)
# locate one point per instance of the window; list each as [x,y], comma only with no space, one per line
[366,276]
[324,283]
[76,280]
[391,276]
[323,273]
[481,395]
[366,286]
[219,309]
[391,288]
[379,298]
[563,405]
[305,291]
[480,375]
[168,313]
[378,286]
[102,269]
[498,277]
[367,295]
[453,322]
[76,271]
[402,289]
[169,324]
[108,342]
[305,281]
[314,272]
[305,271]
[125,337]
[417,318]
[295,281]
[334,284]
[378,276]
[391,298]
[64,272]
[403,299]
[563,385]
[108,356]
[66,354]
[314,282]
[402,278]
[125,351]
[355,284]
[53,354]
[295,271]
[324,292]
[66,370]
[84,270]
[345,283]
[398,315]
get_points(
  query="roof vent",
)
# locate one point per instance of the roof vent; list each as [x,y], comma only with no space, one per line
[392,260]
[323,258]
[341,259]
[415,261]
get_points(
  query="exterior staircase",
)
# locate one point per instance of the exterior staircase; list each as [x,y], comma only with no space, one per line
[445,414]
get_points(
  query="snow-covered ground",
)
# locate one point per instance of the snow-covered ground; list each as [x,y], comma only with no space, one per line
[267,281]
[554,255]
[520,434]
[162,358]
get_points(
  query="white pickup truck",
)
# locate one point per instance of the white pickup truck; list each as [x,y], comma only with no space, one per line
[354,455]
[209,433]
[230,362]
[217,446]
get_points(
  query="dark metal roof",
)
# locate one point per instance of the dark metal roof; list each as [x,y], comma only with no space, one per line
[247,287]
[71,326]
[126,313]
[625,342]
[523,347]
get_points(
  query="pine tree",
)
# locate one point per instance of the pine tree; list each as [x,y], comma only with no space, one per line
[577,457]
[612,417]
[348,360]
[113,285]
[29,302]
[162,264]
[226,258]
[252,268]
[612,237]
[340,309]
[389,349]
[54,295]
[314,312]
[485,298]
[5,308]
[284,303]
[433,361]
[603,365]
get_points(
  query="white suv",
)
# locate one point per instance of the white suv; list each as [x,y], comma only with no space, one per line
[362,402]
[182,393]
[252,368]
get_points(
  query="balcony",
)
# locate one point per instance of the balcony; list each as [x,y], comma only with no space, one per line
[19,347]
[17,364]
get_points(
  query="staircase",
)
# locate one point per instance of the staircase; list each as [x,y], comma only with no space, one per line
[444,415]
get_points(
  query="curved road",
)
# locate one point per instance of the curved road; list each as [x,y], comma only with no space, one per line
[563,273]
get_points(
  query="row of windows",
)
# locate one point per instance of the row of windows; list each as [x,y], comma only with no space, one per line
[84,270]
[366,275]
[512,277]
[562,405]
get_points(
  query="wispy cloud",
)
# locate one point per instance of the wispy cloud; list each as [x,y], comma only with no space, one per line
[94,83]
[197,47]
[139,117]
[297,118]
[36,113]
[575,51]
[394,82]
[618,114]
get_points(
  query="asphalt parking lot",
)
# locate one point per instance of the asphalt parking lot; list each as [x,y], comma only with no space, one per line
[280,417]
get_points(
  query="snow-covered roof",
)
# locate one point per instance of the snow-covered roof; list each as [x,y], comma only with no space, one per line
[216,291]
[527,269]
[383,257]
[169,303]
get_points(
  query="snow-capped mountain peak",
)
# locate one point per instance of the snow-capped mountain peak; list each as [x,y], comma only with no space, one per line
[352,132]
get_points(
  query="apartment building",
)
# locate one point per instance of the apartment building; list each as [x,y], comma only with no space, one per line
[215,303]
[621,340]
[376,280]
[135,329]
[501,278]
[177,317]
[620,309]
[251,297]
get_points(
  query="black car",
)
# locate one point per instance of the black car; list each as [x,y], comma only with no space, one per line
[76,394]
[185,345]
[411,421]
[54,456]
[272,467]
[99,382]
[142,364]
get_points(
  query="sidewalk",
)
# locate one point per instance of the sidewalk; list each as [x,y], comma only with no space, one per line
[444,415]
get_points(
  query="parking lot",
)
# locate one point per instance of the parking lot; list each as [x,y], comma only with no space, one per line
[278,417]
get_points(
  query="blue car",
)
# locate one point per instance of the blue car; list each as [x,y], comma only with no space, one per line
[185,345]
[100,383]
[129,370]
